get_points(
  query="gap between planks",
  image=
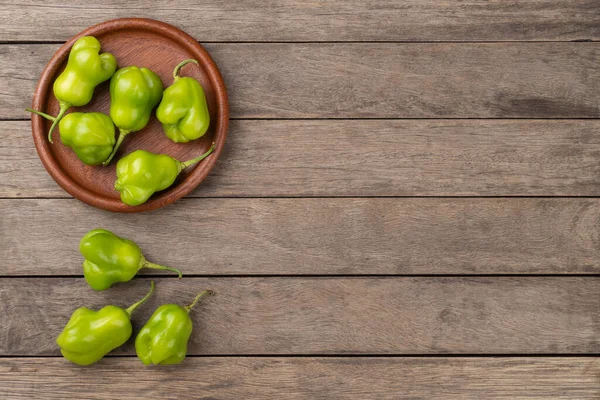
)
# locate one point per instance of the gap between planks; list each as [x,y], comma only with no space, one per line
[341,356]
[61,42]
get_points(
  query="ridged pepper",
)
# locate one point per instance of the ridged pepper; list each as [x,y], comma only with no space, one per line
[134,92]
[90,335]
[90,135]
[110,259]
[163,339]
[183,110]
[140,174]
[85,70]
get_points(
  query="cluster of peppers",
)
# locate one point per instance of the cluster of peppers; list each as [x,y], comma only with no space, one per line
[90,335]
[134,92]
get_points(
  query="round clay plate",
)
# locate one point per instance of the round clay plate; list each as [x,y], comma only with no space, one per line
[143,43]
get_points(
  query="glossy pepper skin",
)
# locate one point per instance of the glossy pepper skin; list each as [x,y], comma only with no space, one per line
[164,338]
[140,174]
[134,92]
[90,335]
[90,135]
[183,110]
[86,69]
[110,259]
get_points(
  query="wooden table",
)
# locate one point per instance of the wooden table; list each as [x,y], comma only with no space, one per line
[407,207]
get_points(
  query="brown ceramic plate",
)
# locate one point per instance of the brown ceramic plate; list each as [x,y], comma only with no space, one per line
[144,43]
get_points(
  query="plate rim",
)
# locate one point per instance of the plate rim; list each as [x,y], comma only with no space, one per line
[193,179]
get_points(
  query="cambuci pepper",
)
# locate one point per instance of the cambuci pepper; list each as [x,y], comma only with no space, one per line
[90,335]
[85,70]
[134,92]
[110,259]
[90,135]
[183,110]
[140,174]
[163,339]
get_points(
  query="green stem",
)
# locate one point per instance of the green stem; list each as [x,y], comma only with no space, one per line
[122,135]
[193,161]
[63,109]
[148,264]
[41,114]
[132,307]
[193,303]
[180,65]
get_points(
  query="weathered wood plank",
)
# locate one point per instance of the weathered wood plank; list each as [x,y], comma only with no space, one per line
[283,316]
[306,378]
[337,20]
[317,236]
[369,158]
[376,80]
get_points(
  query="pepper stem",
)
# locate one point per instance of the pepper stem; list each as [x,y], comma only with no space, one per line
[63,109]
[41,114]
[148,264]
[122,135]
[132,307]
[193,161]
[193,303]
[180,65]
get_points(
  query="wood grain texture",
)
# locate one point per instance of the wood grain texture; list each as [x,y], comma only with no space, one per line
[337,20]
[375,80]
[317,236]
[321,154]
[283,316]
[369,158]
[306,378]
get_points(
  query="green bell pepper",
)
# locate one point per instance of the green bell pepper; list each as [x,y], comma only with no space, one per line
[85,70]
[141,173]
[163,339]
[134,92]
[90,135]
[110,259]
[90,335]
[183,110]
